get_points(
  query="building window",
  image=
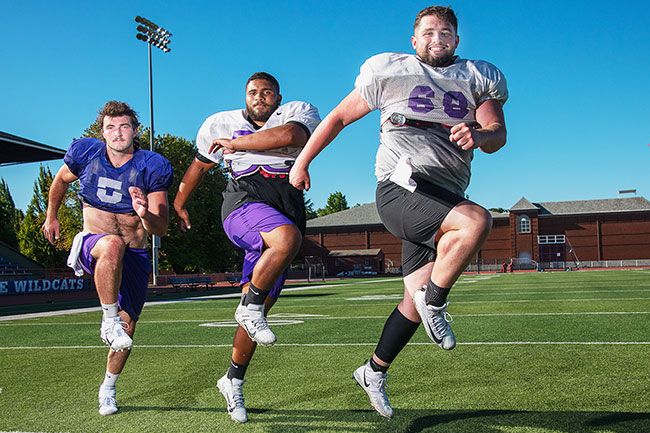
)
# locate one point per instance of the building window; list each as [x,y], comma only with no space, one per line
[523,225]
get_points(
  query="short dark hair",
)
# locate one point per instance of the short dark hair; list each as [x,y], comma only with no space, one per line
[265,76]
[117,109]
[445,13]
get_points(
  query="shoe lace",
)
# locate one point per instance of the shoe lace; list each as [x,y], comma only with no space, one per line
[441,321]
[381,387]
[260,324]
[237,396]
[108,400]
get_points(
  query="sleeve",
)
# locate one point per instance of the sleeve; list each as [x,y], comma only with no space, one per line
[491,83]
[79,153]
[159,174]
[302,113]
[207,133]
[367,84]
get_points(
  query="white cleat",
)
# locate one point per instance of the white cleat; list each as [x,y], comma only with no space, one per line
[107,402]
[232,392]
[251,318]
[113,334]
[374,384]
[435,320]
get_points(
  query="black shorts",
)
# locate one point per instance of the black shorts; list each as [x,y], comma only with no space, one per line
[415,218]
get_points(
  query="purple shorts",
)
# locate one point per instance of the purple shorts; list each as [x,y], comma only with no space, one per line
[243,227]
[135,274]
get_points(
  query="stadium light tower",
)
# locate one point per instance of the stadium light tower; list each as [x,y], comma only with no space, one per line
[160,38]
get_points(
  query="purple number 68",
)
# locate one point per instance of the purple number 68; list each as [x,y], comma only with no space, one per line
[454,104]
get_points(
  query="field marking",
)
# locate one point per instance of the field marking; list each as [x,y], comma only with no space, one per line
[234,324]
[174,301]
[469,343]
[283,318]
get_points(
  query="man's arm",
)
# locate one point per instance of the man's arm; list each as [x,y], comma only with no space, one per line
[191,179]
[62,180]
[277,137]
[352,108]
[153,210]
[491,134]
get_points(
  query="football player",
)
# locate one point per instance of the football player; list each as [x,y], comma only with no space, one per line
[261,213]
[436,109]
[124,193]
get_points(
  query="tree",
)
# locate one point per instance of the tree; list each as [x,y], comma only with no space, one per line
[9,215]
[336,202]
[309,208]
[498,209]
[205,247]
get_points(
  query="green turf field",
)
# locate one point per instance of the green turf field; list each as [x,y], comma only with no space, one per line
[538,352]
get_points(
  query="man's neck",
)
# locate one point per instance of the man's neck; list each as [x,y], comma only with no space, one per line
[118,159]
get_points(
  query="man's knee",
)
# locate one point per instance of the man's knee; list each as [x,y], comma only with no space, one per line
[109,248]
[285,238]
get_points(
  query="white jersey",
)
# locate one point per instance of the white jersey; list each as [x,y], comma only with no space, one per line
[233,124]
[401,83]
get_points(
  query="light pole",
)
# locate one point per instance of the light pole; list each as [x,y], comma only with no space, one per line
[157,36]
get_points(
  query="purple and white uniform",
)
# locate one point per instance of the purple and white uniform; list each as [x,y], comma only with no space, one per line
[105,187]
[258,197]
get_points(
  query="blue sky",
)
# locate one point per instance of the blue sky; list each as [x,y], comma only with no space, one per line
[577,72]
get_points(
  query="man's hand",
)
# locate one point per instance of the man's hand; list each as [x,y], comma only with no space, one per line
[139,201]
[464,136]
[222,143]
[183,219]
[299,177]
[51,229]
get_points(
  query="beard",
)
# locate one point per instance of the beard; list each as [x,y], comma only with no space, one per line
[261,112]
[437,62]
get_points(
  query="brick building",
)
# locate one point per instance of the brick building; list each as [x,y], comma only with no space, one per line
[549,233]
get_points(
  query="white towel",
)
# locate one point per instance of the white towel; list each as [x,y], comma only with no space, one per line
[75,252]
[402,174]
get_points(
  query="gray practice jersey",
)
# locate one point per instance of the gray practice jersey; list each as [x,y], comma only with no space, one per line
[235,123]
[401,83]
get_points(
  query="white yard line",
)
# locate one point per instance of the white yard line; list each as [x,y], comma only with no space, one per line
[470,343]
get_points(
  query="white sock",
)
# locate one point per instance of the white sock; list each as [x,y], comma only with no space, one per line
[110,379]
[109,311]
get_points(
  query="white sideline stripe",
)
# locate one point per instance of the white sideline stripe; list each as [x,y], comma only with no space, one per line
[470,343]
[487,292]
[174,301]
[274,319]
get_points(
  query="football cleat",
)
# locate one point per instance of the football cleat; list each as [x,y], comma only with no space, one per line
[232,392]
[435,320]
[107,402]
[374,384]
[251,318]
[113,334]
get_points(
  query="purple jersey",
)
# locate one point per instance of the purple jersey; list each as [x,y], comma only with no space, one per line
[105,187]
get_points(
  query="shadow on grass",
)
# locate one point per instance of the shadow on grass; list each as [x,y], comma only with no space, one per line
[417,421]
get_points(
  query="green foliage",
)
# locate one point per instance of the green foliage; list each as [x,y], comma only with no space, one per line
[9,215]
[205,247]
[309,208]
[31,241]
[336,202]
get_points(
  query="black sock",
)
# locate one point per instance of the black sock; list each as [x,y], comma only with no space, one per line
[236,371]
[397,332]
[434,295]
[377,367]
[254,295]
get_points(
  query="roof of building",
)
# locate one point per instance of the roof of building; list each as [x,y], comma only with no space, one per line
[353,253]
[608,205]
[363,215]
[17,150]
[523,204]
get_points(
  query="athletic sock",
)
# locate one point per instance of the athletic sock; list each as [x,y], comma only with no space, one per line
[254,296]
[397,332]
[376,367]
[434,295]
[109,311]
[110,379]
[236,371]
